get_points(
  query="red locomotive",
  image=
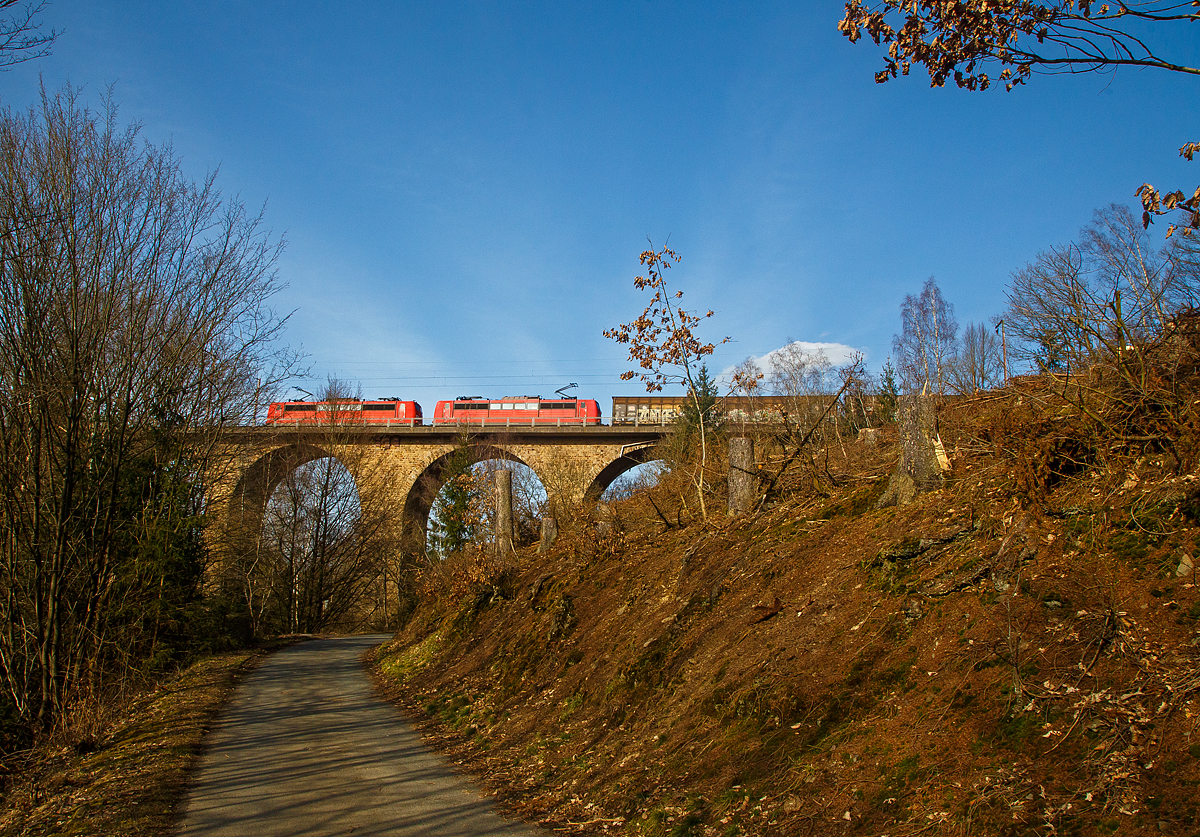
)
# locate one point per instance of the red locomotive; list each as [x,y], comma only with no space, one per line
[390,412]
[525,411]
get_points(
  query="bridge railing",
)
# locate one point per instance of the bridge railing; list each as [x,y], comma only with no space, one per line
[533,421]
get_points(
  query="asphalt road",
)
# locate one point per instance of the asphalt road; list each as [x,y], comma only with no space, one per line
[305,747]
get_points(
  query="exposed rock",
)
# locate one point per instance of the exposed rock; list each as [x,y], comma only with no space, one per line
[1186,566]
[904,551]
[910,548]
[562,617]
[537,590]
[913,610]
[950,582]
[1002,566]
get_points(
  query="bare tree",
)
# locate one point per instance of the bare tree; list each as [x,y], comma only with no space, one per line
[530,503]
[796,371]
[1118,317]
[134,325]
[327,535]
[927,341]
[805,377]
[554,491]
[796,438]
[529,498]
[1107,295]
[979,363]
[747,379]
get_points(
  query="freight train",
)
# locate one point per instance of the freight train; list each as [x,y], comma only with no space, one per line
[534,411]
[757,409]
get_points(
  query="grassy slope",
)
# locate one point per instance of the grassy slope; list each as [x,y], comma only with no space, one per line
[130,778]
[1011,654]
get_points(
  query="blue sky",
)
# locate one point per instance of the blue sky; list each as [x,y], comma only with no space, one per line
[465,187]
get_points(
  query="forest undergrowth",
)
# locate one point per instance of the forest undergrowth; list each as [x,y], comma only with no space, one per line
[1013,653]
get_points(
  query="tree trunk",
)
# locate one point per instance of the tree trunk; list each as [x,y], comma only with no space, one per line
[504,516]
[743,476]
[549,533]
[919,469]
[605,520]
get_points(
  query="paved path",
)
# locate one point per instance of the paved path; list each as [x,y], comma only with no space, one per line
[305,747]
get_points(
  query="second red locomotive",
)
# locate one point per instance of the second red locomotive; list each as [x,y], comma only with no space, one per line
[524,411]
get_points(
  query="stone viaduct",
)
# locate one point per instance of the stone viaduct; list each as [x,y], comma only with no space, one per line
[406,464]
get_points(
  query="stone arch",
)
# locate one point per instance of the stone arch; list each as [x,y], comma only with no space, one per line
[429,482]
[624,462]
[252,491]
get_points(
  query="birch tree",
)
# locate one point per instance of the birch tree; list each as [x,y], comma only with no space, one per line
[979,363]
[926,344]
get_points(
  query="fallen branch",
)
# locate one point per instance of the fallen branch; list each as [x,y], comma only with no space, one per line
[657,510]
[585,823]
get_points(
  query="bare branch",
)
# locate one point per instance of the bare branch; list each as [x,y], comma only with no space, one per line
[20,36]
[961,40]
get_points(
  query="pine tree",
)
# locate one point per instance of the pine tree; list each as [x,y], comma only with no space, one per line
[455,522]
[889,392]
[704,404]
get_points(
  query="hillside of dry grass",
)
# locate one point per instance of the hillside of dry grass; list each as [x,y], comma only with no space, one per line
[124,771]
[1015,653]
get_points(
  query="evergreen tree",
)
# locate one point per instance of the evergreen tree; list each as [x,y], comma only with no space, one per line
[703,402]
[889,392]
[455,522]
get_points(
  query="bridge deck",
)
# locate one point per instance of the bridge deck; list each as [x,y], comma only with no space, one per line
[450,434]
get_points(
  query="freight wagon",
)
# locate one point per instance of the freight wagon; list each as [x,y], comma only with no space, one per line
[758,409]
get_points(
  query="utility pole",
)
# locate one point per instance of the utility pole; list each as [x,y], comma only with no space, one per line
[1004,343]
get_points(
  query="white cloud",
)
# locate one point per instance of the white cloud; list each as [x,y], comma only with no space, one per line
[839,354]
